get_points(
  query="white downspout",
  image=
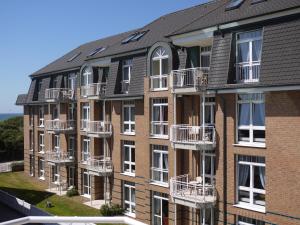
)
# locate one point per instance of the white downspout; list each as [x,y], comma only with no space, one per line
[175,154]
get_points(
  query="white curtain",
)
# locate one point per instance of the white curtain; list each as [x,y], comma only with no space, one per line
[262,176]
[259,114]
[243,174]
[256,50]
[244,114]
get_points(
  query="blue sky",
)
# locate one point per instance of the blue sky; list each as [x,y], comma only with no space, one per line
[34,33]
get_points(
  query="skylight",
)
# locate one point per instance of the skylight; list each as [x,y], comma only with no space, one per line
[234,4]
[97,50]
[73,57]
[134,37]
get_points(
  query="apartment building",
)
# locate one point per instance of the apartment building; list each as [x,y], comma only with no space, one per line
[191,119]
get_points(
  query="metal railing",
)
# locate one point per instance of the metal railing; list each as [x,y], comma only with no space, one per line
[247,73]
[100,164]
[59,94]
[60,125]
[59,156]
[125,86]
[95,89]
[192,134]
[190,78]
[159,128]
[159,82]
[185,188]
[96,127]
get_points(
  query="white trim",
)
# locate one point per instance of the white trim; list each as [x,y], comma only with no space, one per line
[130,163]
[130,123]
[161,153]
[253,208]
[130,202]
[160,199]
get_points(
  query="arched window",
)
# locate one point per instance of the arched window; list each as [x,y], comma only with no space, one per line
[159,69]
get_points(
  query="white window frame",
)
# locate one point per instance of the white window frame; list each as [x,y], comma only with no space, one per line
[31,165]
[160,198]
[126,64]
[161,102]
[85,116]
[203,216]
[72,81]
[131,106]
[41,143]
[251,127]
[41,116]
[55,108]
[56,143]
[85,149]
[212,106]
[251,63]
[129,146]
[161,55]
[71,146]
[87,185]
[205,52]
[87,76]
[71,178]
[41,168]
[210,176]
[130,202]
[257,222]
[31,140]
[160,151]
[71,111]
[250,189]
[55,174]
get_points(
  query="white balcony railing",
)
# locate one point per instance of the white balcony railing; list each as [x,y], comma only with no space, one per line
[59,157]
[193,135]
[60,125]
[93,90]
[248,73]
[158,82]
[59,94]
[190,192]
[159,128]
[125,86]
[96,127]
[195,78]
[99,165]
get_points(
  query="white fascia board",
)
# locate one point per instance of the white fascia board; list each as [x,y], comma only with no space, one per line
[190,37]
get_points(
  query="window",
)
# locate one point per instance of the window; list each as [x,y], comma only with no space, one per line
[210,169]
[56,143]
[159,69]
[41,143]
[97,50]
[71,148]
[160,210]
[85,149]
[72,111]
[55,82]
[71,176]
[251,182]
[85,112]
[129,198]
[74,57]
[249,221]
[234,4]
[55,174]
[248,56]
[251,119]
[126,75]
[72,81]
[86,178]
[129,157]
[55,112]
[128,117]
[86,77]
[31,165]
[205,53]
[160,164]
[159,122]
[134,37]
[41,116]
[39,87]
[41,168]
[210,110]
[207,216]
[31,140]
[31,116]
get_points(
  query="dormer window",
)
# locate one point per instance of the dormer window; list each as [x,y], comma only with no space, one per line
[126,74]
[159,69]
[248,56]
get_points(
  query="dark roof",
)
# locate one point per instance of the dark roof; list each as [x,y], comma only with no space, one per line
[247,10]
[21,99]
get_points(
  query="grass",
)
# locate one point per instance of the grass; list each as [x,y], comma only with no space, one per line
[33,192]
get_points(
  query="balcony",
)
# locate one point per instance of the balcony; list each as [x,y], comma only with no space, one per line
[93,91]
[59,94]
[63,126]
[125,86]
[159,83]
[59,157]
[193,137]
[188,192]
[96,128]
[248,72]
[99,166]
[189,80]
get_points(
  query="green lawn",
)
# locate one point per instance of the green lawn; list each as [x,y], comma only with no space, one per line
[33,191]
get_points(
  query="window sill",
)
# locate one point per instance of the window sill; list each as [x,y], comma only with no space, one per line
[260,209]
[158,89]
[251,145]
[42,178]
[156,183]
[128,174]
[128,134]
[42,152]
[165,137]
[132,215]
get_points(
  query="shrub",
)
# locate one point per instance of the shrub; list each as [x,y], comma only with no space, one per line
[72,192]
[17,166]
[111,210]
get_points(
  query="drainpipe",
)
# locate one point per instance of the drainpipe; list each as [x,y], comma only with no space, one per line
[175,155]
[203,152]
[104,145]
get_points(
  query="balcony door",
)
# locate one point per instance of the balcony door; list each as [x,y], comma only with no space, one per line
[86,77]
[86,184]
[85,115]
[86,149]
